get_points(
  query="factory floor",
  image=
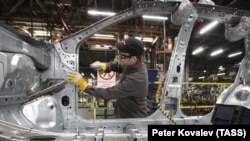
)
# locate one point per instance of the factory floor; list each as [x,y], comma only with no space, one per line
[88,106]
[88,113]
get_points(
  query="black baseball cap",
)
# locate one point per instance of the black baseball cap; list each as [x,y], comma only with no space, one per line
[132,46]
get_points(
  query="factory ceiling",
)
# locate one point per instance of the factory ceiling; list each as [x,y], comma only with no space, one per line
[68,16]
[61,18]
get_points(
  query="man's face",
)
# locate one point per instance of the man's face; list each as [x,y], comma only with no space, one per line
[124,59]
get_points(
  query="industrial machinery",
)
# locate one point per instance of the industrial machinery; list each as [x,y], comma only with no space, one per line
[38,104]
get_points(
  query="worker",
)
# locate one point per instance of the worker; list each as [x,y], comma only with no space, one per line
[131,91]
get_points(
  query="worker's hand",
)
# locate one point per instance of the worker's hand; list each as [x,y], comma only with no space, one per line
[101,67]
[77,79]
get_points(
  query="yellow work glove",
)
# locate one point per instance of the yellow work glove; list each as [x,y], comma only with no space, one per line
[99,66]
[77,79]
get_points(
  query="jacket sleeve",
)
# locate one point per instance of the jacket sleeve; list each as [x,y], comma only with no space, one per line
[114,66]
[132,85]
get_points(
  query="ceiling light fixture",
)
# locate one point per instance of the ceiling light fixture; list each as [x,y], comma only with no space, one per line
[234,54]
[198,50]
[104,35]
[209,26]
[154,17]
[219,74]
[41,33]
[145,39]
[221,68]
[104,13]
[201,77]
[216,52]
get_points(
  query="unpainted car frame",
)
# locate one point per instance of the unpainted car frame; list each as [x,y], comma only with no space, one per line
[38,103]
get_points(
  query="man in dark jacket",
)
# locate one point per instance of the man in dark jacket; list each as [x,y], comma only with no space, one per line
[132,89]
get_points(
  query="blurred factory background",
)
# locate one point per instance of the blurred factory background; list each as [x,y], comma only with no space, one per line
[212,61]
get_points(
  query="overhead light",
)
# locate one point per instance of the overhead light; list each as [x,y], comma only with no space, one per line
[41,33]
[104,13]
[208,27]
[145,39]
[220,74]
[154,17]
[198,50]
[221,68]
[234,54]
[104,35]
[202,77]
[216,52]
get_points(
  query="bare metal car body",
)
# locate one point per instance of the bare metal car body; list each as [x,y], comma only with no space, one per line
[38,103]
